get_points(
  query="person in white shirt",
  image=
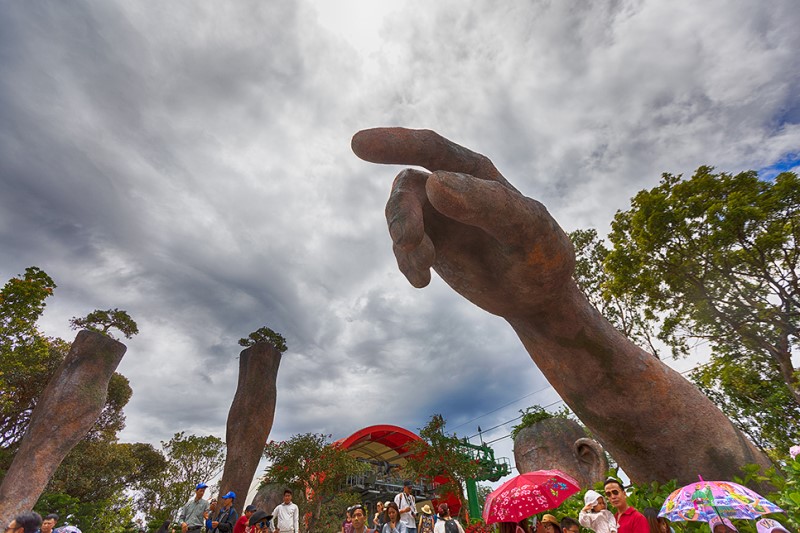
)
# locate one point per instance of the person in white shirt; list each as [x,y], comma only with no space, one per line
[287,515]
[408,507]
[446,523]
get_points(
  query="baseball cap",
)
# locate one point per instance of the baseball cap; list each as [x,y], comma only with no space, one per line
[250,509]
[200,486]
[231,495]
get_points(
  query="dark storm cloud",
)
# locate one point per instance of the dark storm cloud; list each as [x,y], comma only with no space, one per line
[190,162]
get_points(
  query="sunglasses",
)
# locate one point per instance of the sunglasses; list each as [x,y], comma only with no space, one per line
[612,492]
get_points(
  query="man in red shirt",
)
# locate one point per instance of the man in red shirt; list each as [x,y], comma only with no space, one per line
[629,520]
[241,524]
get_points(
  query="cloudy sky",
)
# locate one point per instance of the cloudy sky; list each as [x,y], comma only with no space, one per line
[190,162]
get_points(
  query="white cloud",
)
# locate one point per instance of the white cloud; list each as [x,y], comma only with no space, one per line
[190,162]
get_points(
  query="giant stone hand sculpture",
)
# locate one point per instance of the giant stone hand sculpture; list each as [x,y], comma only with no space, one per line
[250,418]
[69,406]
[505,253]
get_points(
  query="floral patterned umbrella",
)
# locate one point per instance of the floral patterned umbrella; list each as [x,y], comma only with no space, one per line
[527,494]
[704,500]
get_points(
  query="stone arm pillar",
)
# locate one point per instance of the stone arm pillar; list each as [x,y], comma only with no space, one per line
[657,425]
[67,410]
[250,418]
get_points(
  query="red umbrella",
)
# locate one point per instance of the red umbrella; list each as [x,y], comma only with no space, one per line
[527,494]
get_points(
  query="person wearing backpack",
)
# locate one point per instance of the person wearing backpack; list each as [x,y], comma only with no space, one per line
[446,523]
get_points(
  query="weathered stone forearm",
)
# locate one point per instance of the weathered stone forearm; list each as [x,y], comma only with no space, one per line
[250,418]
[69,406]
[655,423]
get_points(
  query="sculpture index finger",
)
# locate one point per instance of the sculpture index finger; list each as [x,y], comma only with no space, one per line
[425,148]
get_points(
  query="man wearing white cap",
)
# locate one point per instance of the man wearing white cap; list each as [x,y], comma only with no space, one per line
[191,515]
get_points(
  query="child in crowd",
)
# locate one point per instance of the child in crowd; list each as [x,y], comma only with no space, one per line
[594,514]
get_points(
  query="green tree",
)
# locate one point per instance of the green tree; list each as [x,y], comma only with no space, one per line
[90,485]
[26,370]
[103,321]
[537,413]
[438,454]
[749,390]
[717,257]
[100,516]
[265,334]
[188,460]
[27,358]
[312,467]
[626,311]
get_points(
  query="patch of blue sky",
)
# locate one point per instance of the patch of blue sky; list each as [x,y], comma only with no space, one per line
[789,162]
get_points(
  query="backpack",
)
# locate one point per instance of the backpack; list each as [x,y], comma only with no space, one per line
[451,526]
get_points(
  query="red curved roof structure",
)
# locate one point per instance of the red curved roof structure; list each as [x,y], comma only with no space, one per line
[380,443]
[391,444]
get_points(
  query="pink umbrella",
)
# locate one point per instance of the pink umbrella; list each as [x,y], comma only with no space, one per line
[527,494]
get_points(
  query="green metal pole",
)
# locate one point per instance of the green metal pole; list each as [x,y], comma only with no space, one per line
[472,498]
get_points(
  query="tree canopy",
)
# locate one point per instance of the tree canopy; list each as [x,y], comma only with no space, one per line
[172,475]
[439,454]
[313,467]
[625,310]
[536,413]
[103,321]
[717,254]
[90,485]
[265,334]
[711,261]
[27,358]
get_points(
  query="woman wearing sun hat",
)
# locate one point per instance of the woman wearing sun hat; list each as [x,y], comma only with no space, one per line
[551,524]
[426,521]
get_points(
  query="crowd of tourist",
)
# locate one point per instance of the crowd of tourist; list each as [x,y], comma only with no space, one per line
[220,516]
[401,516]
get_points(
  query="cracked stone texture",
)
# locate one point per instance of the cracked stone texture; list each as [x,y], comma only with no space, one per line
[250,418]
[562,444]
[69,406]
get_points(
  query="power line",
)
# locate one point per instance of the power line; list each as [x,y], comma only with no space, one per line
[503,406]
[545,407]
[513,419]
